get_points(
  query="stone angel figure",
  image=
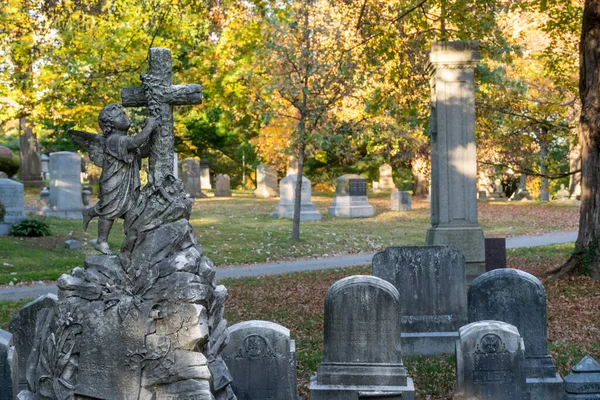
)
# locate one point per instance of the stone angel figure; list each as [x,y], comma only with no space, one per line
[119,156]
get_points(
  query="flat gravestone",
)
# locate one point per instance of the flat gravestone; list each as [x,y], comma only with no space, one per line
[22,327]
[223,186]
[9,375]
[190,176]
[266,181]
[361,348]
[401,201]
[433,295]
[205,174]
[519,298]
[386,182]
[351,198]
[584,380]
[261,358]
[495,253]
[65,186]
[12,197]
[490,362]
[287,194]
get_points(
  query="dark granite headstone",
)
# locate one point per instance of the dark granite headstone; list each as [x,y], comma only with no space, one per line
[495,253]
[9,375]
[351,198]
[584,381]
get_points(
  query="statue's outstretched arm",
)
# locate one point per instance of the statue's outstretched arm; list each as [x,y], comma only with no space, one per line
[141,138]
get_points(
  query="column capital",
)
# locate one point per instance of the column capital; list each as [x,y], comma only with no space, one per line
[459,54]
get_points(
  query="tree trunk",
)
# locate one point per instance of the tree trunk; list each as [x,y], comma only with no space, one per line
[544,192]
[586,257]
[574,165]
[298,195]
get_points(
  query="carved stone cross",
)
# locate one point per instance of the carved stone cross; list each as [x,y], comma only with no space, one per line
[160,95]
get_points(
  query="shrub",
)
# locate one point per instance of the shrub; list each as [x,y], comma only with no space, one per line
[10,167]
[2,212]
[31,228]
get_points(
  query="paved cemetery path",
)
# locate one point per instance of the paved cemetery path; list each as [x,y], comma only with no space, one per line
[223,272]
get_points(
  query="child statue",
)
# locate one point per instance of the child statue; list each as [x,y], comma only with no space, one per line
[119,156]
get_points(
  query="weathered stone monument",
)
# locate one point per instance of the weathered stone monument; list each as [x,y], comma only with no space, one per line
[146,323]
[9,385]
[453,155]
[401,201]
[522,194]
[490,362]
[30,171]
[519,298]
[433,297]
[386,182]
[292,166]
[287,194]
[497,192]
[351,198]
[190,175]
[583,383]
[45,159]
[266,181]
[361,348]
[205,174]
[65,186]
[261,358]
[12,197]
[223,186]
[563,194]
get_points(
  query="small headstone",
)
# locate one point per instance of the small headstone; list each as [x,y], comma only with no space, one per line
[72,244]
[563,194]
[495,253]
[261,358]
[22,327]
[401,201]
[497,191]
[386,182]
[266,181]
[223,186]
[45,166]
[65,186]
[9,374]
[292,166]
[519,298]
[375,187]
[190,176]
[361,349]
[433,296]
[584,380]
[351,198]
[205,174]
[5,152]
[482,196]
[490,362]
[285,207]
[12,197]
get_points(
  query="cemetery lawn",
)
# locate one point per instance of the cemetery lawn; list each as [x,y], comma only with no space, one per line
[296,302]
[239,230]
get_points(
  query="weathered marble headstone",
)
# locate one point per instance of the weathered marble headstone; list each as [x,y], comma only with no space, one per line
[190,176]
[351,198]
[30,171]
[292,166]
[266,181]
[433,296]
[12,197]
[401,201]
[9,369]
[453,152]
[386,182]
[361,347]
[65,186]
[519,298]
[583,383]
[495,253]
[261,358]
[223,186]
[563,194]
[22,327]
[205,174]
[287,193]
[490,362]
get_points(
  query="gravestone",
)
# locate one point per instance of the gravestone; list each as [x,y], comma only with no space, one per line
[22,327]
[519,298]
[482,198]
[495,253]
[190,176]
[5,152]
[266,181]
[261,358]
[433,296]
[351,198]
[490,362]
[30,171]
[401,201]
[386,182]
[563,194]
[9,369]
[583,383]
[205,174]
[223,186]
[12,197]
[45,166]
[287,193]
[65,186]
[453,152]
[497,193]
[361,347]
[292,166]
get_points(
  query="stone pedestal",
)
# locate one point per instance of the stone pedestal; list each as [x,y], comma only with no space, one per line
[453,153]
[351,198]
[583,383]
[287,194]
[266,181]
[65,186]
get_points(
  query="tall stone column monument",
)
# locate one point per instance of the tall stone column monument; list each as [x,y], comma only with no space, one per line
[453,156]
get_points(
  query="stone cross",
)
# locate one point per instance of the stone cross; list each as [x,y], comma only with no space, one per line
[160,95]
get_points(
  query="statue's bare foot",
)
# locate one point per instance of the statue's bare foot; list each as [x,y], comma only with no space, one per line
[103,248]
[87,217]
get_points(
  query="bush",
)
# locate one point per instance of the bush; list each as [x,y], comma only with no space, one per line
[10,167]
[2,212]
[31,228]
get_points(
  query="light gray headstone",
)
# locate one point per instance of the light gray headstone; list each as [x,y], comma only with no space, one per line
[433,295]
[401,201]
[519,298]
[351,198]
[584,380]
[361,348]
[12,197]
[292,166]
[190,176]
[205,174]
[386,181]
[261,358]
[266,181]
[9,374]
[287,194]
[223,186]
[72,244]
[65,186]
[490,362]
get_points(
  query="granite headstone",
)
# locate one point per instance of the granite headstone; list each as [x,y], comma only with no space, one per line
[401,201]
[351,198]
[9,369]
[65,186]
[583,383]
[12,197]
[190,176]
[495,253]
[287,194]
[223,186]
[266,181]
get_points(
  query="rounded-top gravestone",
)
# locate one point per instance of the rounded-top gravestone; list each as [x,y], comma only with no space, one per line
[12,197]
[5,152]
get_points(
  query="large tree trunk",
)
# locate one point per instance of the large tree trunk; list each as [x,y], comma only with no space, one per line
[575,165]
[586,257]
[298,194]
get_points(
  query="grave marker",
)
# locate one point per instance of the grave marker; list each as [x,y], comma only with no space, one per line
[351,198]
[287,194]
[223,186]
[65,186]
[266,181]
[401,201]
